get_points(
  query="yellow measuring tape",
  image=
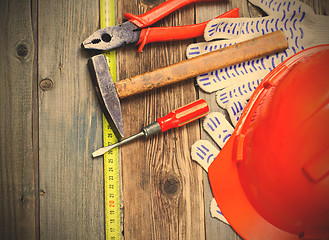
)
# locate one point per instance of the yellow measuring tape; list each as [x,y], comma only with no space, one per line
[111,158]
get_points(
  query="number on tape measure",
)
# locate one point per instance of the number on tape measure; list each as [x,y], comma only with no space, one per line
[111,159]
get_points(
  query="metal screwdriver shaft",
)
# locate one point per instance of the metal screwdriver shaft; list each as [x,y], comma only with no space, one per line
[176,118]
[104,150]
[147,131]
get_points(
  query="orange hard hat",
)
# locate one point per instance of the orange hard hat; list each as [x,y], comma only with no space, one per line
[271,179]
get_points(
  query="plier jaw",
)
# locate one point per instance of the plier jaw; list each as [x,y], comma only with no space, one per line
[137,30]
[113,37]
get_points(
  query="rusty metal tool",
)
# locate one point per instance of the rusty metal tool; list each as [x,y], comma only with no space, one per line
[109,92]
[135,31]
[174,119]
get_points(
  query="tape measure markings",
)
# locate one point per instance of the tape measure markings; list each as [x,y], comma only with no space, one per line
[111,159]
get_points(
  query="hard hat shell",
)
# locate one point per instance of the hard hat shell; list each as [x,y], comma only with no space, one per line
[271,179]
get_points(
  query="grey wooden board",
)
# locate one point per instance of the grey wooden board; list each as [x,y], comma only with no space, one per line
[18,209]
[70,124]
[50,187]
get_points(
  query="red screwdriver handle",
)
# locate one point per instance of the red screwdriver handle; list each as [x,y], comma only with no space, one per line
[159,12]
[163,34]
[184,115]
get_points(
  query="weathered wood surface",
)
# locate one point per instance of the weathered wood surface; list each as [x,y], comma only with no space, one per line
[70,124]
[162,188]
[18,165]
[50,122]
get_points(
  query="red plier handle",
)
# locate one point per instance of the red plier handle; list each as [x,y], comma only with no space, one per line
[162,34]
[159,12]
[134,30]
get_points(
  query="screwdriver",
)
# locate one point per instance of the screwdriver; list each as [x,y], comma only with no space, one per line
[174,119]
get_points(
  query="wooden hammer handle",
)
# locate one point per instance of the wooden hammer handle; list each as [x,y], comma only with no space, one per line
[225,57]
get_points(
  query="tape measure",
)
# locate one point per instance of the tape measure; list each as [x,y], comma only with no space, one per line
[111,158]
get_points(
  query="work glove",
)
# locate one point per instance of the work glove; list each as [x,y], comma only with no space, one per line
[203,152]
[235,84]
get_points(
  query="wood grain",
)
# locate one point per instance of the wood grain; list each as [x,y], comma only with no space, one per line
[162,188]
[70,124]
[18,169]
[51,122]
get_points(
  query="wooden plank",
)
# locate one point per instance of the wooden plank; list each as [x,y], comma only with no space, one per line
[162,187]
[18,211]
[71,182]
[163,190]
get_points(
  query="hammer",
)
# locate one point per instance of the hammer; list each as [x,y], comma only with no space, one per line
[109,92]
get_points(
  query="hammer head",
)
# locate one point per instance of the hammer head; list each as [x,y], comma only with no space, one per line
[106,92]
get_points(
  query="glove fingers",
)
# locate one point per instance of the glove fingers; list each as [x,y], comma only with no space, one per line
[216,125]
[226,77]
[282,7]
[245,78]
[215,212]
[196,49]
[240,91]
[235,108]
[204,153]
[281,13]
[298,35]
[237,29]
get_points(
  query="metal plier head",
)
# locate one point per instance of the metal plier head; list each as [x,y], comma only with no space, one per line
[135,31]
[113,37]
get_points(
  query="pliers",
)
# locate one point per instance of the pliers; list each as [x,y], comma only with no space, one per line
[135,29]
